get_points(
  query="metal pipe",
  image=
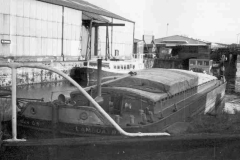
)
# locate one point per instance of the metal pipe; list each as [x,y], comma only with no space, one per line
[94,86]
[98,107]
[99,80]
[14,102]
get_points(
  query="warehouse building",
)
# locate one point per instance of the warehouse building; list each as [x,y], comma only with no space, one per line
[66,31]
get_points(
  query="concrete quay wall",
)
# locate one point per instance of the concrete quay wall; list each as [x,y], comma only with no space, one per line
[26,76]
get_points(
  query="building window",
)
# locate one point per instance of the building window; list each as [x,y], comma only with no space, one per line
[116,52]
[199,63]
[206,63]
[192,62]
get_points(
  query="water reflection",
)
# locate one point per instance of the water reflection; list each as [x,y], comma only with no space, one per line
[48,91]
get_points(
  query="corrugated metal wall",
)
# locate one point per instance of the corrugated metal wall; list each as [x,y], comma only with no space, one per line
[85,38]
[35,29]
[122,38]
[72,32]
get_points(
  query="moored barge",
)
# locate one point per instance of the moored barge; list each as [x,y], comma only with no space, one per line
[148,101]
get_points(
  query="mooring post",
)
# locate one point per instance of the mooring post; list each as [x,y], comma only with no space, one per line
[99,98]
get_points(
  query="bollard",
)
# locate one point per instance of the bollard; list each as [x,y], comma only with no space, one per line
[175,108]
[147,110]
[144,119]
[132,119]
[160,116]
[141,112]
[151,117]
[117,119]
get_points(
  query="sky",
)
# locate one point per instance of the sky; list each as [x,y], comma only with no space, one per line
[209,20]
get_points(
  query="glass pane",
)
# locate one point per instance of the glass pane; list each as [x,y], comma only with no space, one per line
[199,62]
[206,63]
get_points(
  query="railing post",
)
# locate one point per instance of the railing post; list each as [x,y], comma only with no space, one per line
[14,102]
[14,106]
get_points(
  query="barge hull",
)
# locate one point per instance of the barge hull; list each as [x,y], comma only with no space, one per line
[209,101]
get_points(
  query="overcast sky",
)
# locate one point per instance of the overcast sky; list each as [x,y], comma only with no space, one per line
[210,20]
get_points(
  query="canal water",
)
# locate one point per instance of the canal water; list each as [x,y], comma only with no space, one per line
[50,91]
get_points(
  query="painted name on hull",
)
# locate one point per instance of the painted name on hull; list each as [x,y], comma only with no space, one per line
[92,130]
[68,127]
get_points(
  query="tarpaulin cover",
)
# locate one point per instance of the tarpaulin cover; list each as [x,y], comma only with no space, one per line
[159,80]
[140,94]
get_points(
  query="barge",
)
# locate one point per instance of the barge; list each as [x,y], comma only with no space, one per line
[147,101]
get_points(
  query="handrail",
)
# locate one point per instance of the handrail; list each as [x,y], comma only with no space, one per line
[14,66]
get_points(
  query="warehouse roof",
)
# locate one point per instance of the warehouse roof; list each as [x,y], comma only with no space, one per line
[89,16]
[85,6]
[181,40]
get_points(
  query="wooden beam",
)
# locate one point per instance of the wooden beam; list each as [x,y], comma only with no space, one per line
[108,24]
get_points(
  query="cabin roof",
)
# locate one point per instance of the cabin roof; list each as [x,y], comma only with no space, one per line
[140,94]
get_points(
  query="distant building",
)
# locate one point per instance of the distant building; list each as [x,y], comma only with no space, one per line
[138,46]
[186,47]
[219,45]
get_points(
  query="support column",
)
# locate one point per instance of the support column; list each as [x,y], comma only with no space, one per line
[107,56]
[96,41]
[99,98]
[14,106]
[90,40]
[89,43]
[99,77]
[112,39]
[14,102]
